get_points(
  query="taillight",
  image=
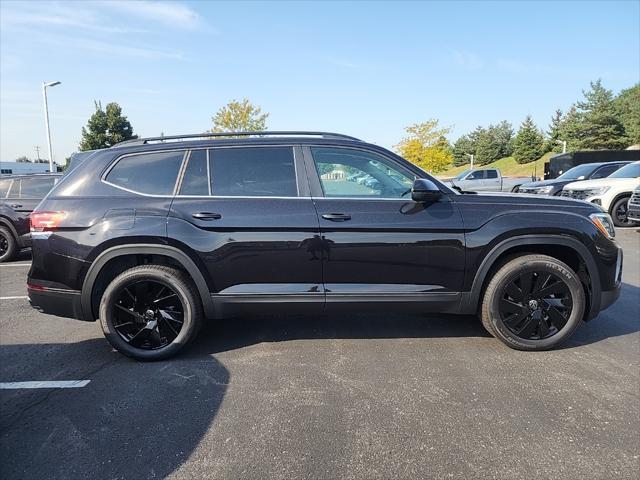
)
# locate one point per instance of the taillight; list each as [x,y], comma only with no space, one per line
[46,221]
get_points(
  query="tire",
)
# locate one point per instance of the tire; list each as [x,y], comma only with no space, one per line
[619,218]
[8,245]
[139,325]
[540,320]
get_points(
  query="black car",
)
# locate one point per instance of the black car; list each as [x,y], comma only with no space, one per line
[153,236]
[19,195]
[586,171]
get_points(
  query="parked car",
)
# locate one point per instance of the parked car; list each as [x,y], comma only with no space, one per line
[153,236]
[611,193]
[586,171]
[19,195]
[486,180]
[633,214]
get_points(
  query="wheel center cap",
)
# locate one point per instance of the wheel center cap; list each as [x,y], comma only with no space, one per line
[149,314]
[533,304]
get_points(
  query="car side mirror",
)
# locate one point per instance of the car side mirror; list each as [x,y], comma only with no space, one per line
[425,191]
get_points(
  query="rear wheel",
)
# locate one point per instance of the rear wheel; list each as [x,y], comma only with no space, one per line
[8,245]
[150,312]
[620,213]
[533,302]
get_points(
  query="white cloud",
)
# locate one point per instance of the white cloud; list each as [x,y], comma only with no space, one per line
[168,13]
[467,60]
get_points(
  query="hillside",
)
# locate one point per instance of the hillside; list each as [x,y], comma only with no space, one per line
[508,166]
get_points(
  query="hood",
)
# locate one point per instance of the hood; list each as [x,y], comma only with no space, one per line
[546,183]
[519,199]
[600,182]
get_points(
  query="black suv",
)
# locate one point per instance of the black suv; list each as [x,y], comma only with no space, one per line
[152,236]
[19,195]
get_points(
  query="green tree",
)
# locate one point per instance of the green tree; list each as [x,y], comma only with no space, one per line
[627,105]
[105,128]
[487,147]
[529,142]
[554,134]
[426,146]
[600,126]
[239,117]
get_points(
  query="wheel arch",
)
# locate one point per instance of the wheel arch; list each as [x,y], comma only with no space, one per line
[616,198]
[513,246]
[122,254]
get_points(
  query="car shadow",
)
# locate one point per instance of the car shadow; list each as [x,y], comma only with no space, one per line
[133,420]
[234,333]
[619,319]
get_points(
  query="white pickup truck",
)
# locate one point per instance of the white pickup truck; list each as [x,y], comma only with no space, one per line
[486,180]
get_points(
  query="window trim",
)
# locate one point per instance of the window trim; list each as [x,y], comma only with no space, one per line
[316,184]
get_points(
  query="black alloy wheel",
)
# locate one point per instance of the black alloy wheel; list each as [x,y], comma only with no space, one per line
[621,213]
[8,245]
[148,314]
[533,302]
[535,305]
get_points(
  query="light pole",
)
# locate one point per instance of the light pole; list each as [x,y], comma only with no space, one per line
[46,119]
[564,145]
[470,155]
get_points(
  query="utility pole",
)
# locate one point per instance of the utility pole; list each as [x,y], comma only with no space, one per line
[37,152]
[471,156]
[46,119]
[564,145]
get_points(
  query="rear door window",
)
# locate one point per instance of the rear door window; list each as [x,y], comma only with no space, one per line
[492,174]
[36,187]
[253,172]
[605,171]
[149,173]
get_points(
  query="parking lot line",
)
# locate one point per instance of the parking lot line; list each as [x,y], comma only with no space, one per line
[43,384]
[15,265]
[19,297]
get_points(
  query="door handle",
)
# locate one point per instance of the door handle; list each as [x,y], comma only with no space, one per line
[207,216]
[336,217]
[15,205]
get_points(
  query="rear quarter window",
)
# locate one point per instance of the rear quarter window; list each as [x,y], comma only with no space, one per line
[149,173]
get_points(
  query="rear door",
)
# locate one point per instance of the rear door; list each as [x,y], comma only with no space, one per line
[377,244]
[246,214]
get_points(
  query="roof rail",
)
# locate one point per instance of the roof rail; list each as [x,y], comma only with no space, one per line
[207,135]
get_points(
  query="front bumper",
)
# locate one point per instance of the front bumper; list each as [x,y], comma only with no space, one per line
[54,301]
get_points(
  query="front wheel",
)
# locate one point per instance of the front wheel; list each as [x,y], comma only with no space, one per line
[620,213]
[534,302]
[150,312]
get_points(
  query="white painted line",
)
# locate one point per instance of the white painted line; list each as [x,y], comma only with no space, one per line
[15,264]
[43,384]
[21,297]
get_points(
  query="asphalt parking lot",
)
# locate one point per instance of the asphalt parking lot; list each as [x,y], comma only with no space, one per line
[362,396]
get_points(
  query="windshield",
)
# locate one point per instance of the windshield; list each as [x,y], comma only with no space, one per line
[628,171]
[578,171]
[462,175]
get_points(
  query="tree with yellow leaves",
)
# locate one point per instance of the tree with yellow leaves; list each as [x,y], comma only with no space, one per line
[426,146]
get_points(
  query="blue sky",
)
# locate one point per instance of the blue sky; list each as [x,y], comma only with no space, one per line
[366,69]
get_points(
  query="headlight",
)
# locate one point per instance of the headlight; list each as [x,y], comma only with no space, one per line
[544,190]
[591,192]
[604,223]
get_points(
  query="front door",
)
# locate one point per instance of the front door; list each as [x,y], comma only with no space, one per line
[247,214]
[379,245]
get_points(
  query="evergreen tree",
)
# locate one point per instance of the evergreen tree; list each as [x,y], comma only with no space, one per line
[503,136]
[627,105]
[106,128]
[600,127]
[555,133]
[463,146]
[488,149]
[529,142]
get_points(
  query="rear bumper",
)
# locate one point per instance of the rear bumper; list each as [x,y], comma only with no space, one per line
[53,301]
